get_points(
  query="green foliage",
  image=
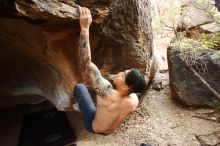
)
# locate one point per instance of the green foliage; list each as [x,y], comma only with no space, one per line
[209,40]
[206,6]
[215,103]
[184,44]
[205,41]
[166,17]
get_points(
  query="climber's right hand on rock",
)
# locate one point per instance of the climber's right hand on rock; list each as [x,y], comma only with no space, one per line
[85,18]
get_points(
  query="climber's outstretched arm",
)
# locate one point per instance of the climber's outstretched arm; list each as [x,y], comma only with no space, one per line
[90,70]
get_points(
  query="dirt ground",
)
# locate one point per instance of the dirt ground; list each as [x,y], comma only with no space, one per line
[159,120]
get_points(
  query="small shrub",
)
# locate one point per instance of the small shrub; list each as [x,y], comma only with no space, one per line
[215,103]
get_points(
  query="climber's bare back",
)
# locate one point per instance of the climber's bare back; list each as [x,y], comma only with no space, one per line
[112,110]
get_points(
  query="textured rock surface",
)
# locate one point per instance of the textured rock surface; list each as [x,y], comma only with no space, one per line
[195,17]
[186,87]
[39,45]
[210,139]
[196,14]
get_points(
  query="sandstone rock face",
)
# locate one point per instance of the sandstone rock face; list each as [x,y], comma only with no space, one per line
[185,87]
[39,46]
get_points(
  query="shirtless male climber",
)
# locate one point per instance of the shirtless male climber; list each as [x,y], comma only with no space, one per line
[113,104]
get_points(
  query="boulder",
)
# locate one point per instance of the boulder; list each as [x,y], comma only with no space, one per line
[39,46]
[195,14]
[188,89]
[211,27]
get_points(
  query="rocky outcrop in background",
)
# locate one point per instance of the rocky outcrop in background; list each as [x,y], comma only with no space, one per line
[185,84]
[39,46]
[186,87]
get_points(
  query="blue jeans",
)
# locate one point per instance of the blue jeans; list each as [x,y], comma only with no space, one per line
[86,105]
